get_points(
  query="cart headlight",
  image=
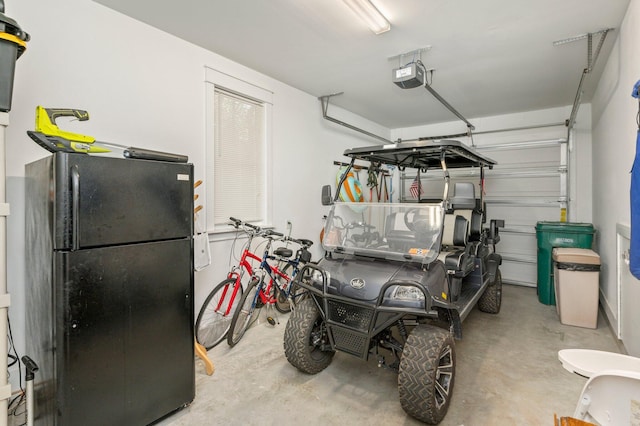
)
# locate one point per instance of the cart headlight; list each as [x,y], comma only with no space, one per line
[407,293]
[404,296]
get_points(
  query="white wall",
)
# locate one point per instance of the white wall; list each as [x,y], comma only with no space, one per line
[614,134]
[146,88]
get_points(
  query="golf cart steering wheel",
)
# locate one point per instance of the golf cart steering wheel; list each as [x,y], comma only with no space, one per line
[409,222]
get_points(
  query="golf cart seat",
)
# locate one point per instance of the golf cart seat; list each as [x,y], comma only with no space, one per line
[464,196]
[464,203]
[456,252]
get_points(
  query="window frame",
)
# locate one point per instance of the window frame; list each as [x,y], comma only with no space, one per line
[216,79]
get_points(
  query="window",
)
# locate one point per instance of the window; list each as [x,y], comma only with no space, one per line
[238,124]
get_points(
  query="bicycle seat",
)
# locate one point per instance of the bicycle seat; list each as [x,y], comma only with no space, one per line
[283,252]
[305,242]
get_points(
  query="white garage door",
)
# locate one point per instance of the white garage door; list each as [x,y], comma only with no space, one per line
[529,184]
[525,187]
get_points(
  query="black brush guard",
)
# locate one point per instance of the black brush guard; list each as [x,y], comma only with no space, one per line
[351,325]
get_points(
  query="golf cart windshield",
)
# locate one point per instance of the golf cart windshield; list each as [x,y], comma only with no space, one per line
[407,232]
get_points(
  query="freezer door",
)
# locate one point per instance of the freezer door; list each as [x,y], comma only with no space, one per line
[101,201]
[124,333]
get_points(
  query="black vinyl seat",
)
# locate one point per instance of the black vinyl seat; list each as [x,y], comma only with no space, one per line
[456,252]
[465,204]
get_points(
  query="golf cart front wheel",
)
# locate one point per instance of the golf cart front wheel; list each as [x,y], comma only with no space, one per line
[427,372]
[305,338]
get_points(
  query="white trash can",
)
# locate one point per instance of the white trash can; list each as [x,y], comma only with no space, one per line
[576,275]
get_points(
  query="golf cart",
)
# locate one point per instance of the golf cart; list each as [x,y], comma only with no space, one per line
[398,279]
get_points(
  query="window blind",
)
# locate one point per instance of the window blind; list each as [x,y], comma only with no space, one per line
[239,163]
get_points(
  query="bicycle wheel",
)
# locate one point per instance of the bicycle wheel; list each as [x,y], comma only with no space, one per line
[212,323]
[283,305]
[296,293]
[246,313]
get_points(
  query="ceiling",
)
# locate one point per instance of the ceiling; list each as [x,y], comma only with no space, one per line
[490,57]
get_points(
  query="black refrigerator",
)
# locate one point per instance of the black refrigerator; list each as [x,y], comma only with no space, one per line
[109,288]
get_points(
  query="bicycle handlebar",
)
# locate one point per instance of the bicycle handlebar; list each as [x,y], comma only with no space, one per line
[237,223]
[270,232]
[302,241]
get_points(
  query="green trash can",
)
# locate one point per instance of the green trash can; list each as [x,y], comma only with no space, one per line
[557,234]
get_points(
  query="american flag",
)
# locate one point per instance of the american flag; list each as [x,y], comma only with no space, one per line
[416,188]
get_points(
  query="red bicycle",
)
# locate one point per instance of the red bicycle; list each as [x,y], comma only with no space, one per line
[215,316]
[217,311]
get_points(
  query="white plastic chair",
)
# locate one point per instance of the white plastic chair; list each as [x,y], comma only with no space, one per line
[611,396]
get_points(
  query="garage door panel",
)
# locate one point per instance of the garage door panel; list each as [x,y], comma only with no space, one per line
[545,156]
[520,245]
[519,272]
[526,216]
[515,187]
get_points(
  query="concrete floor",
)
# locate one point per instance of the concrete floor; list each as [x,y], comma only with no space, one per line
[507,373]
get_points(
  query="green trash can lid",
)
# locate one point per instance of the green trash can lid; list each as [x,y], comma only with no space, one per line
[565,226]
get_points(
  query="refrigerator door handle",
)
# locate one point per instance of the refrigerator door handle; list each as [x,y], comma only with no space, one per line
[75,200]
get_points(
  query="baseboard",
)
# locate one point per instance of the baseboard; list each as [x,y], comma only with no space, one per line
[612,322]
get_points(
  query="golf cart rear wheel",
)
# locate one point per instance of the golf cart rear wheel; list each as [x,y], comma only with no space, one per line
[491,299]
[304,337]
[427,372]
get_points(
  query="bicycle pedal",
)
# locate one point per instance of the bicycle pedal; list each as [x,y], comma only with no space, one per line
[271,321]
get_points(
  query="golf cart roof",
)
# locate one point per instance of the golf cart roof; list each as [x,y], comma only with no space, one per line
[422,155]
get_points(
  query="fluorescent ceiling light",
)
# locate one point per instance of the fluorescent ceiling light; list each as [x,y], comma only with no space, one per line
[370,15]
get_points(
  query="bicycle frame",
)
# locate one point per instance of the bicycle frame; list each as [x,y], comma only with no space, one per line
[236,273]
[273,272]
[244,265]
